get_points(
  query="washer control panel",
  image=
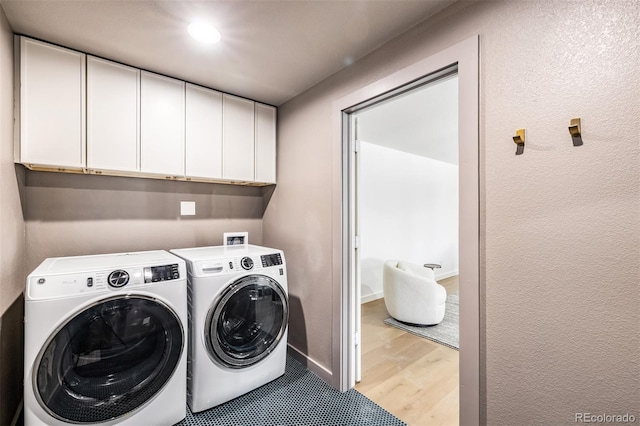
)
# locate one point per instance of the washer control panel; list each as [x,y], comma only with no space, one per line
[161,273]
[54,286]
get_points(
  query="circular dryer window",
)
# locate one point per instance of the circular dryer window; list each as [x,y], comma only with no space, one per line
[108,360]
[247,321]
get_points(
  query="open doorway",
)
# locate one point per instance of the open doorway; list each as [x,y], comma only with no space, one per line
[406,212]
[462,57]
[407,182]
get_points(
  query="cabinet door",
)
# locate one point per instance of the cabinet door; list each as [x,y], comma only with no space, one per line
[52,105]
[161,125]
[238,138]
[113,99]
[203,135]
[265,143]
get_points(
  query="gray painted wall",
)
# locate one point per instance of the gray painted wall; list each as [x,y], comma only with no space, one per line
[12,241]
[11,221]
[560,225]
[68,215]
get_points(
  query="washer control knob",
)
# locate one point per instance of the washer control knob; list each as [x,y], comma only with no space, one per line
[118,278]
[246,263]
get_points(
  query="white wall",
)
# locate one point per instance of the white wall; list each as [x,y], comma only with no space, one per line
[408,207]
[560,225]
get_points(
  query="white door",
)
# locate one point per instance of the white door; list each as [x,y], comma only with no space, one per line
[203,136]
[52,105]
[355,267]
[113,101]
[161,125]
[238,126]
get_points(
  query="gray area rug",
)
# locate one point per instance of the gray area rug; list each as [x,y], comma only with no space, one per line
[299,398]
[445,333]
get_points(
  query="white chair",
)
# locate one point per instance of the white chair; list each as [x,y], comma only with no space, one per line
[411,293]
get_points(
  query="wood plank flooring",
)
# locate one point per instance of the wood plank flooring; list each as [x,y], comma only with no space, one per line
[413,378]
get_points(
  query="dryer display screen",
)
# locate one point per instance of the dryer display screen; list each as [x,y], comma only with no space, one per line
[271,260]
[161,273]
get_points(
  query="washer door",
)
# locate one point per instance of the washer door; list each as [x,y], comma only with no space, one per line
[247,321]
[108,360]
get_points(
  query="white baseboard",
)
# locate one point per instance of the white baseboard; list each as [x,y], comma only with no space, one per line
[312,365]
[371,297]
[445,274]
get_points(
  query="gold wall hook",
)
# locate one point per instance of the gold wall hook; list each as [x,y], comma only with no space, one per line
[576,132]
[519,141]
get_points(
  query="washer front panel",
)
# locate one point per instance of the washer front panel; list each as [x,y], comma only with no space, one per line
[108,360]
[247,321]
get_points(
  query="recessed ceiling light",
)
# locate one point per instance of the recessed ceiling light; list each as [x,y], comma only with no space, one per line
[204,32]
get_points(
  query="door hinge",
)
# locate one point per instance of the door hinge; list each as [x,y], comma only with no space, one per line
[356,242]
[356,338]
[356,146]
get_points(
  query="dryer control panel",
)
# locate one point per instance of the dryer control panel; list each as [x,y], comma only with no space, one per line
[234,264]
[271,260]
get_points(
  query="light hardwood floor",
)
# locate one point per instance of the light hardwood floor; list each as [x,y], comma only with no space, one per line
[411,377]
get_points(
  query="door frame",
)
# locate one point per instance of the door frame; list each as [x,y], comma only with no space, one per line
[466,56]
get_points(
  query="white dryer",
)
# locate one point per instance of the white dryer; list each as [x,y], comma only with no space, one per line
[238,321]
[105,340]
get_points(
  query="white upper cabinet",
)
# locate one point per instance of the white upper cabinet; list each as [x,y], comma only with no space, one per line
[162,125]
[113,99]
[265,144]
[238,126]
[203,136]
[79,113]
[51,111]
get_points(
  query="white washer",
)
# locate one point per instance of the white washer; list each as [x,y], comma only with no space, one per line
[105,340]
[238,307]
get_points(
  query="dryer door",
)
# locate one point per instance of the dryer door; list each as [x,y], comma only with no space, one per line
[247,321]
[108,360]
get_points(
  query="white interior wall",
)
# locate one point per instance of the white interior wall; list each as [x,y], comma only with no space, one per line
[408,208]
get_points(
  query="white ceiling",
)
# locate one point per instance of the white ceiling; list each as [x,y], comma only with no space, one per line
[271,50]
[422,122]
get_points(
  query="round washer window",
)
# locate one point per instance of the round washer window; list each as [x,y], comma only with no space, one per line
[247,321]
[108,360]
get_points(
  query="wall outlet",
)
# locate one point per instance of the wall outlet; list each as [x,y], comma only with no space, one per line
[187,208]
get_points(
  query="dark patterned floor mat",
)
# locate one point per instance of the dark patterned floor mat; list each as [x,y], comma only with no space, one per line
[299,398]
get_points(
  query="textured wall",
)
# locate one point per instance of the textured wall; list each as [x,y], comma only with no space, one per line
[68,215]
[563,235]
[12,241]
[11,360]
[561,224]
[11,222]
